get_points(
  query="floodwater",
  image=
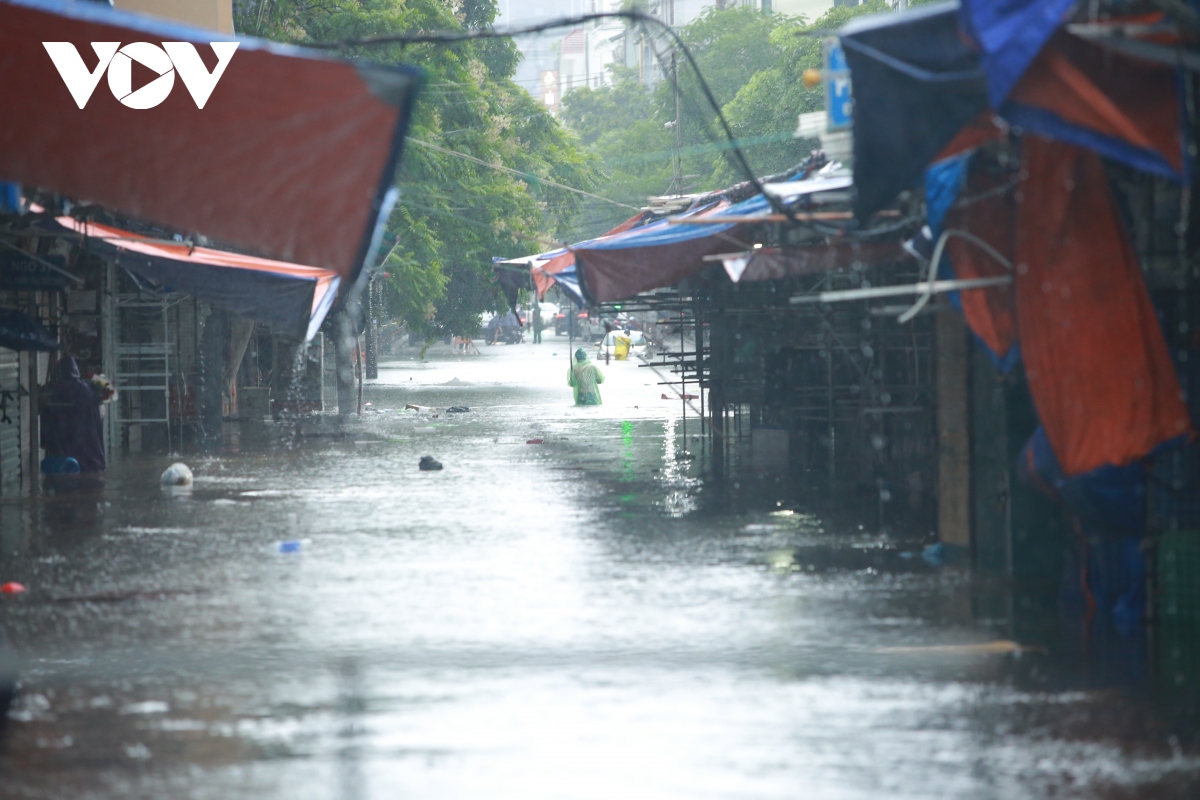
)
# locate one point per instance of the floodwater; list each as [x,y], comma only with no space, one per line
[576,618]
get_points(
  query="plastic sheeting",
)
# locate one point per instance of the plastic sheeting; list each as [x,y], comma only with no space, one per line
[1099,371]
[1109,500]
[983,209]
[659,254]
[1010,34]
[920,93]
[916,84]
[1124,108]
[559,266]
[292,299]
[292,155]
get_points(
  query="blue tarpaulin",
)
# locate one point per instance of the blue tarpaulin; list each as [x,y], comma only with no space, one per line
[919,80]
[1010,34]
[659,254]
[292,299]
[916,84]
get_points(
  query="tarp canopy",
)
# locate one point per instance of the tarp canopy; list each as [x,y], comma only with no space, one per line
[1097,363]
[1010,34]
[1122,107]
[558,266]
[662,253]
[923,91]
[292,154]
[916,84]
[292,299]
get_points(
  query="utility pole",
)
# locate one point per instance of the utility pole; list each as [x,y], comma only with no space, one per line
[677,156]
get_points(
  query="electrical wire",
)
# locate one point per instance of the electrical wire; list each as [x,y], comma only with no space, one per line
[936,259]
[550,244]
[526,175]
[450,37]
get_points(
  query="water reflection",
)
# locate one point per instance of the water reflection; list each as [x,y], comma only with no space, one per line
[578,618]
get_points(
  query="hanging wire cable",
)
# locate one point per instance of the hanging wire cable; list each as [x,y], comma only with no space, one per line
[526,175]
[450,37]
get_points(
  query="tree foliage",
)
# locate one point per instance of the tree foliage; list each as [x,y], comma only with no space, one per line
[753,63]
[454,214]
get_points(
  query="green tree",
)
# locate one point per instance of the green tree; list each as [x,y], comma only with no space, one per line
[455,213]
[752,61]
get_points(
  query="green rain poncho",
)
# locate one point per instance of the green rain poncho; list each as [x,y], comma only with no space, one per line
[584,378]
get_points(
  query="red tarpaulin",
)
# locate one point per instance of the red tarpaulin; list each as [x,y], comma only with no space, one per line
[1098,367]
[1122,107]
[988,214]
[292,154]
[541,274]
[292,299]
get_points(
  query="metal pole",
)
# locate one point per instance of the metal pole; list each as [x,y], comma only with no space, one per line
[699,367]
[683,382]
[829,404]
[677,155]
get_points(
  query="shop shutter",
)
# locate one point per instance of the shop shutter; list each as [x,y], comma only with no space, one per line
[10,432]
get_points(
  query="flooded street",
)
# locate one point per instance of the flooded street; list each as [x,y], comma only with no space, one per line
[580,617]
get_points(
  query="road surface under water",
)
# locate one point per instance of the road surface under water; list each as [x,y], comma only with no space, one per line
[571,619]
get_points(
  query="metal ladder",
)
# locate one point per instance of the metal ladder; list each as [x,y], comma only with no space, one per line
[144,366]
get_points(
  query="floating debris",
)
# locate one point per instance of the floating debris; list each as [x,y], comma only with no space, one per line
[178,474]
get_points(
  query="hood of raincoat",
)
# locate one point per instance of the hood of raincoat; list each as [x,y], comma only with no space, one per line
[68,368]
[580,355]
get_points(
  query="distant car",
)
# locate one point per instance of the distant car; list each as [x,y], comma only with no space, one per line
[608,345]
[581,329]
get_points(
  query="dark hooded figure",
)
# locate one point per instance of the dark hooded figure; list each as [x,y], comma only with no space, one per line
[71,424]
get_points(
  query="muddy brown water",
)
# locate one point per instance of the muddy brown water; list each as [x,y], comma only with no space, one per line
[572,619]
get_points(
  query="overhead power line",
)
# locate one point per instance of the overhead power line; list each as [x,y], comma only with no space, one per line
[526,175]
[450,37]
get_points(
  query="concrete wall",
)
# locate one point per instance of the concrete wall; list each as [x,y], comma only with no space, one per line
[215,15]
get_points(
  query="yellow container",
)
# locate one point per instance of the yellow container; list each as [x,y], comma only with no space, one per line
[621,347]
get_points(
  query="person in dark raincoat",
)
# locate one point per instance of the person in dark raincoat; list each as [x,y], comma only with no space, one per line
[71,424]
[585,378]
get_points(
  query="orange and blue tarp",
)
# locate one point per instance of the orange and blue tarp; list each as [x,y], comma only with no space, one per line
[291,298]
[1102,379]
[1009,35]
[1121,107]
[963,195]
[926,87]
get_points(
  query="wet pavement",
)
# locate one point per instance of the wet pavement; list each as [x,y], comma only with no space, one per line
[583,617]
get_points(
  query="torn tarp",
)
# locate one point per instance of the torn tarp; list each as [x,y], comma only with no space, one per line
[1010,34]
[1099,370]
[916,84]
[1121,107]
[292,154]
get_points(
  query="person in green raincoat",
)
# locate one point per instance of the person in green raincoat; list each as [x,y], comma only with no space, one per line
[585,378]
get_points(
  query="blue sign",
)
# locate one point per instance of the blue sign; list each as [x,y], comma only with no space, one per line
[839,102]
[22,271]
